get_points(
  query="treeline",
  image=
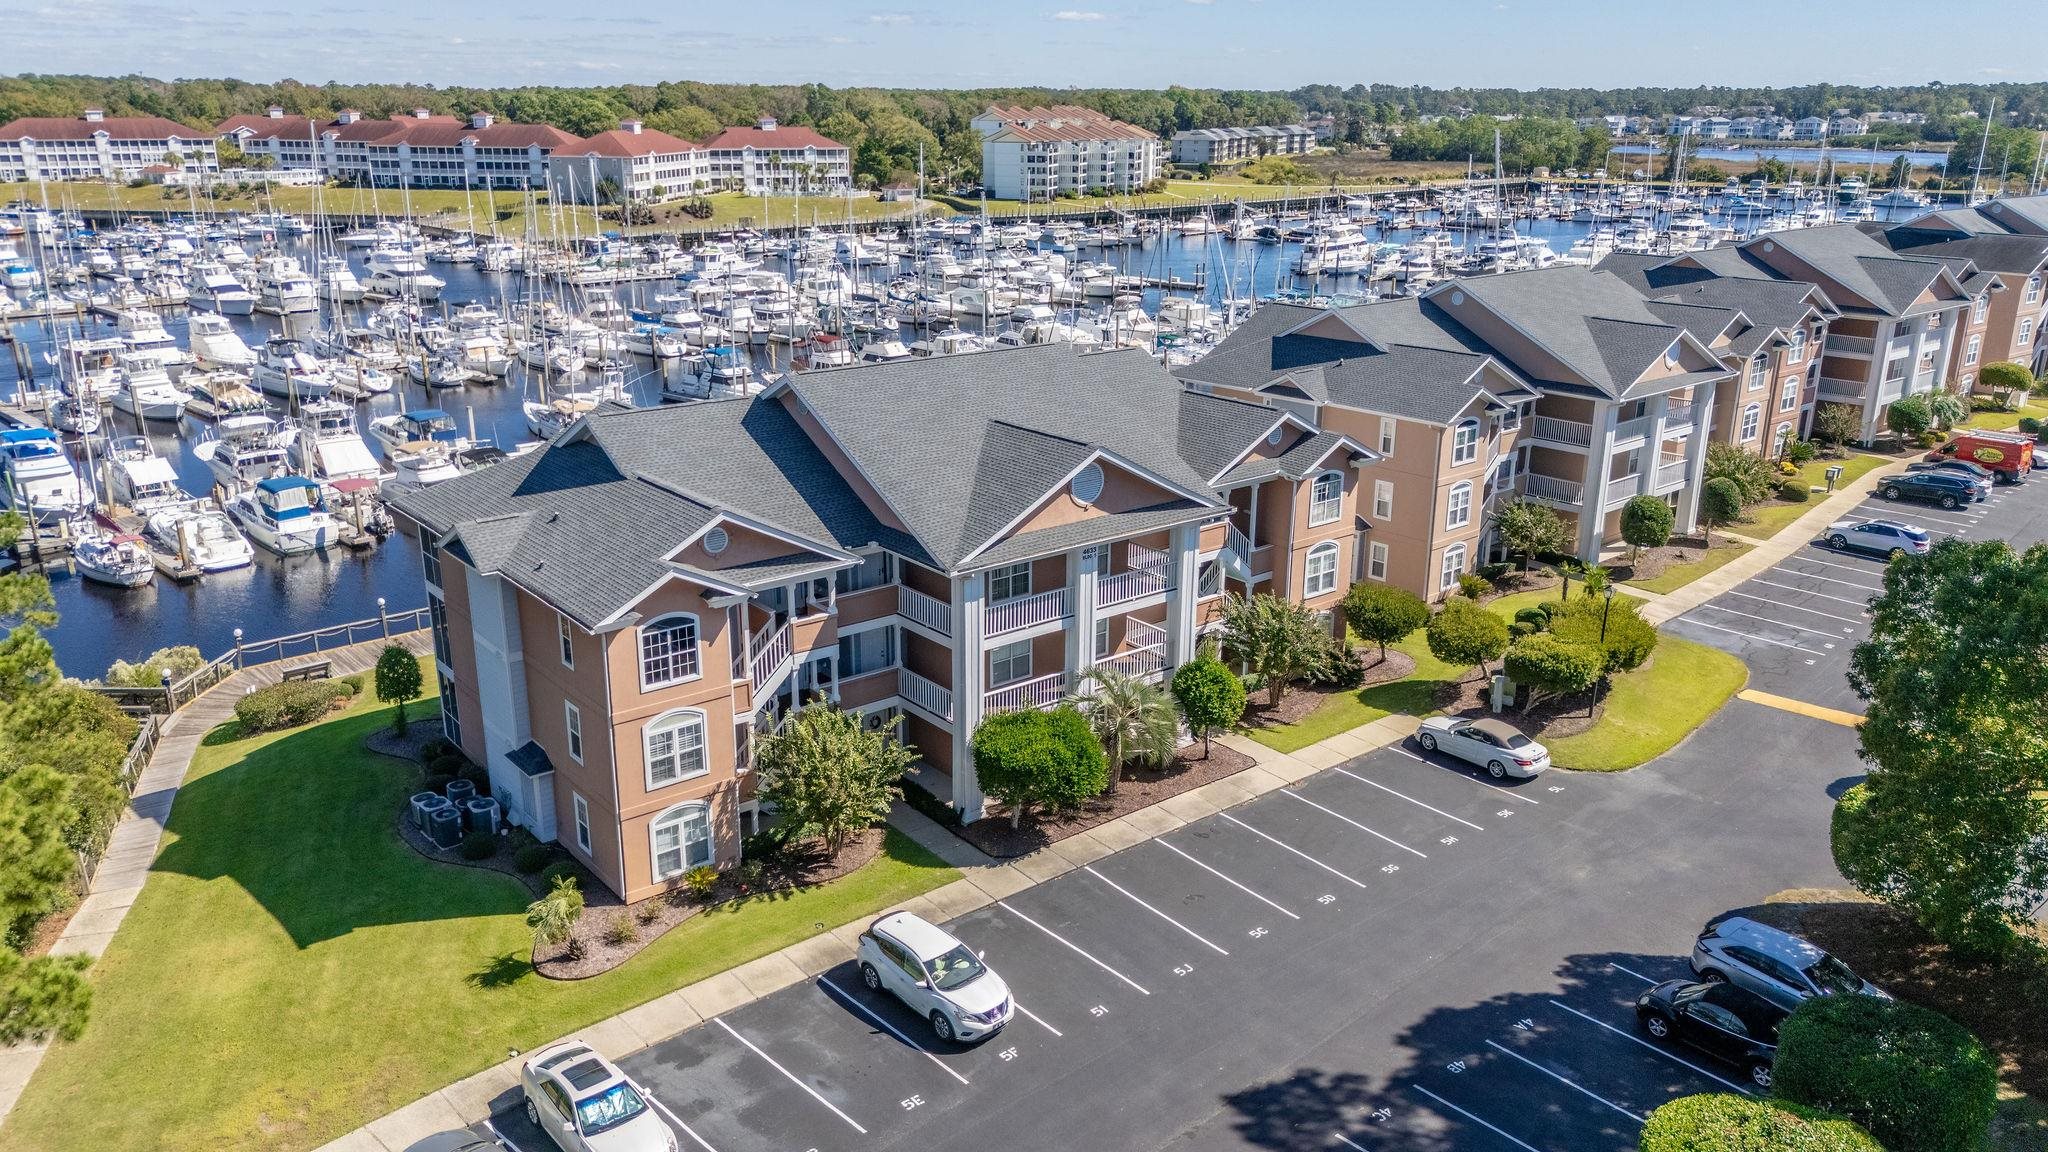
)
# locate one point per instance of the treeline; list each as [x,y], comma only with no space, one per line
[1525,143]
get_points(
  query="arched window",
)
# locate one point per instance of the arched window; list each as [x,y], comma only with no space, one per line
[1325,498]
[1465,442]
[1458,508]
[673,743]
[1750,418]
[1758,367]
[1319,575]
[680,839]
[1453,567]
[1782,437]
[2034,289]
[668,650]
[1797,351]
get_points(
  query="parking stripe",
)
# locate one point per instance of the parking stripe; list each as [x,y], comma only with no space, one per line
[1035,1018]
[673,1118]
[1090,869]
[787,1075]
[1573,1085]
[1675,1058]
[891,1028]
[1809,591]
[504,1139]
[1795,608]
[1076,948]
[1226,879]
[1631,971]
[1831,580]
[1291,848]
[1350,821]
[1768,620]
[1932,512]
[1747,635]
[1510,793]
[1410,799]
[1516,1141]
[1346,1141]
[1863,568]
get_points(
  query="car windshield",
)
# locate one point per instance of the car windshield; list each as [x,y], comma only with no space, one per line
[603,1111]
[954,969]
[1833,977]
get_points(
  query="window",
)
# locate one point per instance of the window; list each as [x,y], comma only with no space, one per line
[437,618]
[1453,567]
[1789,398]
[680,839]
[1383,499]
[568,646]
[668,651]
[1504,472]
[1973,347]
[1101,639]
[572,724]
[1376,561]
[873,572]
[1458,509]
[1758,368]
[430,558]
[1319,575]
[1009,664]
[2033,289]
[865,652]
[1796,349]
[1980,308]
[1465,443]
[2026,330]
[1326,498]
[1387,435]
[1511,419]
[1009,583]
[674,744]
[1750,418]
[451,718]
[582,807]
[1779,439]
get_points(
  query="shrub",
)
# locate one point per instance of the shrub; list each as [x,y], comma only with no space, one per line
[398,681]
[1343,669]
[532,857]
[1646,522]
[478,775]
[1536,617]
[1521,628]
[436,783]
[1947,409]
[287,705]
[1046,760]
[700,881]
[1837,424]
[1464,633]
[1492,572]
[1720,502]
[1750,473]
[552,917]
[1472,586]
[647,911]
[1788,468]
[1383,614]
[1729,1123]
[2005,376]
[1795,492]
[827,774]
[1209,695]
[437,748]
[1801,451]
[560,870]
[353,683]
[1629,638]
[1914,1079]
[179,661]
[479,845]
[1548,665]
[2030,426]
[1909,416]
[619,931]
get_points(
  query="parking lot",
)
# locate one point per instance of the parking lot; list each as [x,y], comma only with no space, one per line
[1250,980]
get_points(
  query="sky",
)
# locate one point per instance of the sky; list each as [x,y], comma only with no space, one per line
[1265,44]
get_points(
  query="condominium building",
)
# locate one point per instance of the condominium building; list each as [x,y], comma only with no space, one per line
[771,159]
[1040,153]
[420,150]
[95,146]
[641,163]
[620,613]
[1230,145]
[2006,241]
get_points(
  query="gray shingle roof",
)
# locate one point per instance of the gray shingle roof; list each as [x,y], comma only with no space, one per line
[1861,265]
[1215,430]
[1594,323]
[1095,530]
[2002,252]
[1296,463]
[2032,210]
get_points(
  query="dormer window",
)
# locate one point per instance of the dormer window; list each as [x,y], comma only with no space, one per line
[1465,443]
[668,651]
[1795,349]
[1326,498]
[1759,368]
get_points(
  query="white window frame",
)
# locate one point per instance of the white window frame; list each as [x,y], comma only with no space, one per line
[1973,348]
[2026,331]
[1383,499]
[572,728]
[674,723]
[1980,308]
[581,808]
[1464,442]
[566,637]
[1458,505]
[1759,372]
[1387,426]
[1006,654]
[1325,508]
[2033,289]
[1780,438]
[1752,421]
[1102,638]
[1452,567]
[1319,570]
[1010,574]
[1376,560]
[1795,348]
[671,622]
[678,817]
[1789,398]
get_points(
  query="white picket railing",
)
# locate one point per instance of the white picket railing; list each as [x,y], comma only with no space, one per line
[1025,612]
[1127,586]
[1144,634]
[1560,431]
[768,655]
[1140,662]
[928,611]
[1043,692]
[1670,474]
[1237,543]
[933,698]
[1146,558]
[1629,429]
[1551,488]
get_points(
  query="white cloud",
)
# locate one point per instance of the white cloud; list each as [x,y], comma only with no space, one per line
[889,18]
[1082,17]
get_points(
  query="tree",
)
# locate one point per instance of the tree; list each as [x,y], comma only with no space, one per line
[1720,503]
[1916,1080]
[1949,828]
[826,775]
[398,681]
[1527,528]
[1751,473]
[1646,522]
[552,917]
[1132,718]
[2004,378]
[1044,760]
[1210,695]
[1464,633]
[35,861]
[1837,424]
[1723,1122]
[1629,639]
[1383,613]
[1947,409]
[1909,416]
[1550,665]
[1280,641]
[179,661]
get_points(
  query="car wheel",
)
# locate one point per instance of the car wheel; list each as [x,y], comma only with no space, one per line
[1760,1075]
[1713,976]
[1948,501]
[533,1113]
[870,977]
[942,1027]
[1656,1024]
[1496,769]
[1427,741]
[1891,492]
[1838,542]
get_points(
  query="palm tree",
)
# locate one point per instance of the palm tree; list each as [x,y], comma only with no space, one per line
[1132,718]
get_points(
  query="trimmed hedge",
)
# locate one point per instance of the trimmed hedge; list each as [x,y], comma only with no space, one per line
[1916,1080]
[290,705]
[532,857]
[1725,1123]
[1795,492]
[1629,638]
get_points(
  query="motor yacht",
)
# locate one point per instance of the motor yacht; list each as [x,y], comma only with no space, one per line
[37,476]
[200,535]
[284,514]
[216,344]
[213,285]
[244,450]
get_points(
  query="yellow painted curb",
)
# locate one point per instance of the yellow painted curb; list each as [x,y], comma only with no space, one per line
[1788,704]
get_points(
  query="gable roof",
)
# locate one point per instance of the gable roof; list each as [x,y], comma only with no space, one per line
[1992,252]
[782,136]
[116,127]
[1861,266]
[619,143]
[2018,213]
[1591,323]
[1215,432]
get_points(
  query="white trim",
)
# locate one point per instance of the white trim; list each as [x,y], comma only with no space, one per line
[1286,418]
[640,650]
[675,815]
[1473,423]
[581,810]
[675,720]
[1095,456]
[1443,566]
[565,640]
[1463,516]
[1336,503]
[1330,549]
[1383,488]
[1376,555]
[572,730]
[1389,429]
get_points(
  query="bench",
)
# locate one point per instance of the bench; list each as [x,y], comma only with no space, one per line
[308,672]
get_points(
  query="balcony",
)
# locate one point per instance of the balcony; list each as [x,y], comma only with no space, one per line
[768,658]
[1631,429]
[927,612]
[1571,433]
[1679,416]
[926,696]
[1144,663]
[1836,390]
[1622,488]
[1862,346]
[1023,612]
[1042,692]
[1670,474]
[1553,489]
[1125,587]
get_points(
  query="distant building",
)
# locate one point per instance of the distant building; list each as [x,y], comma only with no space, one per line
[1324,126]
[641,163]
[421,150]
[95,146]
[1847,126]
[1229,145]
[772,159]
[1039,153]
[1810,128]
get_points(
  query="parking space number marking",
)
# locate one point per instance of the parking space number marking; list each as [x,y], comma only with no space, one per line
[1448,840]
[1008,1054]
[1183,969]
[1391,868]
[1256,933]
[1455,1067]
[1326,898]
[1505,812]
[912,1102]
[1098,1010]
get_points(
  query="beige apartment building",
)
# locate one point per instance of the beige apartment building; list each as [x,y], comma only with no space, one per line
[2006,243]
[619,614]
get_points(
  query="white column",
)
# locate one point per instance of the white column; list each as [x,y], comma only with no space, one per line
[500,684]
[968,677]
[1183,562]
[1696,456]
[1593,492]
[1081,598]
[1251,534]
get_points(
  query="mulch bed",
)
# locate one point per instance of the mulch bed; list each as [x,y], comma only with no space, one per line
[1303,699]
[1140,788]
[1651,563]
[1550,719]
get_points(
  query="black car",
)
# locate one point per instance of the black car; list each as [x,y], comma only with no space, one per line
[1732,1023]
[1948,489]
[1960,467]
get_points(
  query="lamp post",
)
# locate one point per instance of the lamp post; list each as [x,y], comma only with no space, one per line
[1606,606]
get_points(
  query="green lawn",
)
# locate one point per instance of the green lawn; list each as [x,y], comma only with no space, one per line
[292,970]
[1651,709]
[1767,520]
[1999,421]
[1679,575]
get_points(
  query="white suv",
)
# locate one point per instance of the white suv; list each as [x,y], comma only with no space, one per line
[585,1104]
[940,978]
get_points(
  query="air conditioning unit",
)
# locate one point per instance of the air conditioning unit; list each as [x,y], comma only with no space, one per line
[444,827]
[483,814]
[461,791]
[422,802]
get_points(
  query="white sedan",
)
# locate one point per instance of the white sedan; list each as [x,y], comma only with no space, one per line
[1491,744]
[585,1104]
[940,978]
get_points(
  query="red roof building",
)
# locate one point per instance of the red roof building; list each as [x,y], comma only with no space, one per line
[95,146]
[420,150]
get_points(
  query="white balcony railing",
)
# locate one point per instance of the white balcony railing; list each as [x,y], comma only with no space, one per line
[768,656]
[928,611]
[1630,429]
[1850,345]
[1678,415]
[1124,587]
[1620,488]
[1670,474]
[1139,662]
[1840,391]
[1559,431]
[1025,612]
[933,698]
[1043,692]
[1553,489]
[1148,559]
[1237,544]
[1143,634]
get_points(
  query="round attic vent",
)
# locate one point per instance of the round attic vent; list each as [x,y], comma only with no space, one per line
[1457,298]
[1996,206]
[1770,246]
[715,541]
[1273,437]
[1087,484]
